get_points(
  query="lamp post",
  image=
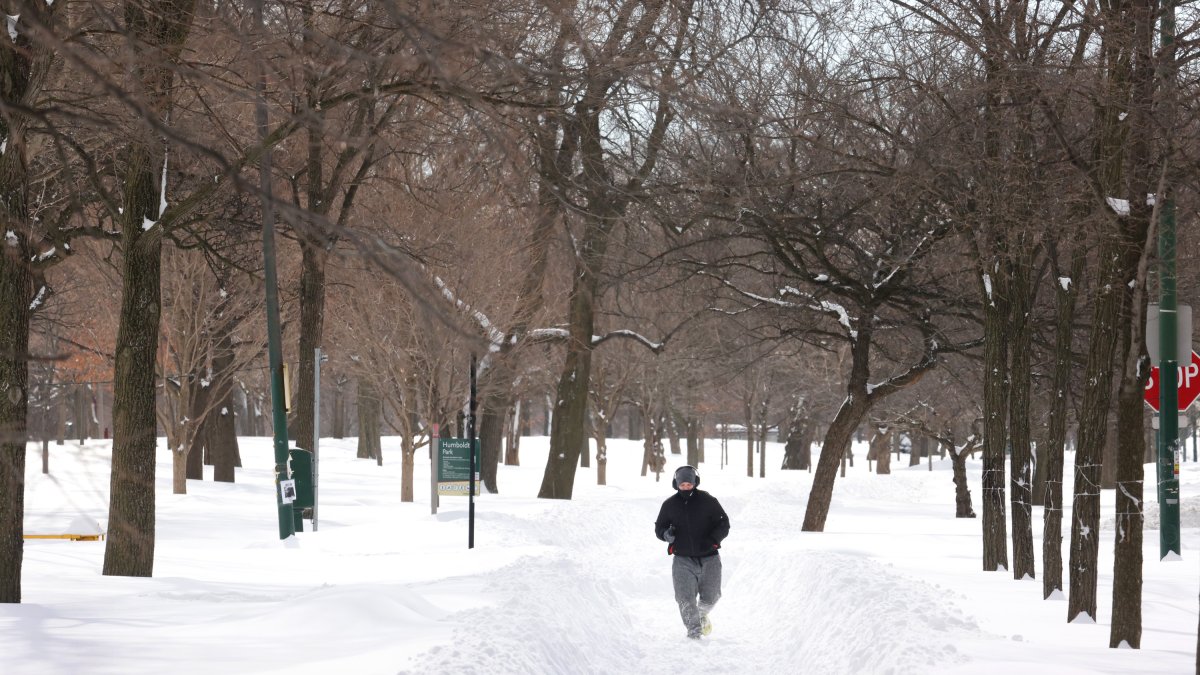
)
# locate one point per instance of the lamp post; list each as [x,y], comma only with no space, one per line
[274,349]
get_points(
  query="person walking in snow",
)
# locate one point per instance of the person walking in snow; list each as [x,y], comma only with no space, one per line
[693,524]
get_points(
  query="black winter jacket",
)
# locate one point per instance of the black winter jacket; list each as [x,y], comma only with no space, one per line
[699,521]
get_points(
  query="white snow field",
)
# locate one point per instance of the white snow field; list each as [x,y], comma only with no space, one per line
[894,584]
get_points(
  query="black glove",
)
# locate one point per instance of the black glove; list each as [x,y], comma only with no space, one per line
[669,535]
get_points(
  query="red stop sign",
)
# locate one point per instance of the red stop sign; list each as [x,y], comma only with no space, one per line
[1189,384]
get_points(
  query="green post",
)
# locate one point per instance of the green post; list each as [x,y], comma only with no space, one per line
[1168,437]
[1169,352]
[274,349]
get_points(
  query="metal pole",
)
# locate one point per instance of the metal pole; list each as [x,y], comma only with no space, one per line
[1168,447]
[471,451]
[274,347]
[434,451]
[1168,443]
[316,432]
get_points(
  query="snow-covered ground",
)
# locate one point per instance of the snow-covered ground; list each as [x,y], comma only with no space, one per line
[893,585]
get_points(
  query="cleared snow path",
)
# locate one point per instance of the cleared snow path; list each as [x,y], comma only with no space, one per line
[783,609]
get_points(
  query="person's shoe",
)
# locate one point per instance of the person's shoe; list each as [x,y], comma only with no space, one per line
[705,625]
[693,636]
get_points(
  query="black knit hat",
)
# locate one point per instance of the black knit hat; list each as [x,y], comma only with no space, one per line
[686,474]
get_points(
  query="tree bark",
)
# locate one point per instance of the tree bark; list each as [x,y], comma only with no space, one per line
[1021,474]
[1065,296]
[995,422]
[312,326]
[339,408]
[220,426]
[1093,427]
[1126,624]
[512,452]
[601,459]
[493,409]
[962,492]
[22,72]
[797,451]
[693,442]
[568,429]
[408,452]
[369,409]
[194,448]
[158,32]
[674,422]
[880,449]
[130,545]
[883,463]
[16,294]
[837,439]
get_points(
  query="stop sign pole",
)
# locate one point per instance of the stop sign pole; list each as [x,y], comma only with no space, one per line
[1168,424]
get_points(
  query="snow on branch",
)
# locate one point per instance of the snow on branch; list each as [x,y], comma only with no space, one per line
[653,346]
[547,334]
[494,335]
[809,303]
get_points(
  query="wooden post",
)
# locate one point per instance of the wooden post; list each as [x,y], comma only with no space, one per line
[45,455]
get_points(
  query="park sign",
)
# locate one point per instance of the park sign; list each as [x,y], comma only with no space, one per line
[1188,378]
[454,466]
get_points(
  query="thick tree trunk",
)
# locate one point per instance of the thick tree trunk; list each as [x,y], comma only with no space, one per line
[408,452]
[1056,436]
[512,452]
[158,33]
[369,413]
[584,443]
[674,422]
[837,440]
[1093,427]
[962,493]
[16,294]
[749,417]
[312,326]
[81,413]
[493,409]
[995,423]
[60,431]
[568,430]
[1021,473]
[635,423]
[601,459]
[1126,624]
[339,408]
[653,458]
[222,443]
[22,72]
[883,463]
[762,447]
[220,428]
[179,471]
[797,451]
[693,442]
[129,550]
[194,448]
[880,448]
[1108,465]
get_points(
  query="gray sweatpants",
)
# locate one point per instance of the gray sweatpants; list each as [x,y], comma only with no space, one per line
[696,577]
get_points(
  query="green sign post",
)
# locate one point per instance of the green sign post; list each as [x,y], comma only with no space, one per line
[454,466]
[1169,352]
